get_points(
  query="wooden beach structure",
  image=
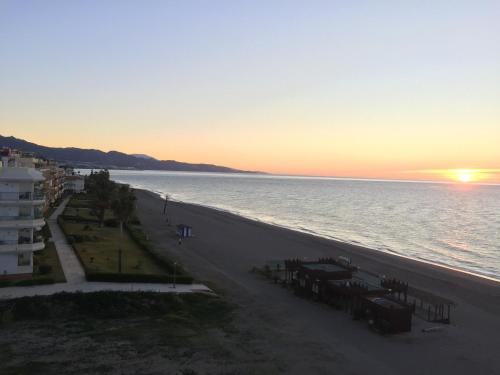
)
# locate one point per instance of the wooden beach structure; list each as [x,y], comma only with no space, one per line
[344,294]
[386,315]
[386,303]
[305,276]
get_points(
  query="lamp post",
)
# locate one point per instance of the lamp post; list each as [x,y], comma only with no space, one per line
[175,268]
[119,260]
[165,206]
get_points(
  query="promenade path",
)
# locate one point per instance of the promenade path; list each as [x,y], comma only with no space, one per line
[75,275]
[73,270]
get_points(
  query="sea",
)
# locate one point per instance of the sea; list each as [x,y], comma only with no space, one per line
[455,225]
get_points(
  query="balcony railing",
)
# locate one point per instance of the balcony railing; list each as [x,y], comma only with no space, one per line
[22,241]
[21,196]
[36,216]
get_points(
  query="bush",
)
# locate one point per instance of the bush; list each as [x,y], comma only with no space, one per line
[44,269]
[134,221]
[113,223]
[194,309]
[30,282]
[138,278]
[4,283]
[24,308]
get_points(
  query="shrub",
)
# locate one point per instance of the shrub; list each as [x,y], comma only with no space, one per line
[135,221]
[138,278]
[113,223]
[30,282]
[44,269]
[24,308]
[4,283]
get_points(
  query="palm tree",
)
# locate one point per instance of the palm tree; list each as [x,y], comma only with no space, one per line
[123,205]
[99,185]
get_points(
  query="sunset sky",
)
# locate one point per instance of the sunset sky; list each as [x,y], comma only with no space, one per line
[384,89]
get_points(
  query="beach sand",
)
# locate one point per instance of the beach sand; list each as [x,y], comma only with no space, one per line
[300,336]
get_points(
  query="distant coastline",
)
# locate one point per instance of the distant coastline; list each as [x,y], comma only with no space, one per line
[97,159]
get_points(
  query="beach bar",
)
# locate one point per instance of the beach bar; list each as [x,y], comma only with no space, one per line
[306,277]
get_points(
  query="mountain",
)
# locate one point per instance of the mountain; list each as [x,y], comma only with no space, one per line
[90,158]
[142,156]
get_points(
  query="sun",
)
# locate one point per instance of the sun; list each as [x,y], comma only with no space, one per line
[464,176]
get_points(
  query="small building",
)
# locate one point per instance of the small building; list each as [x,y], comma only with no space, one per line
[310,275]
[184,230]
[74,183]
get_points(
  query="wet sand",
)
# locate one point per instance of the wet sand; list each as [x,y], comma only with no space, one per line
[303,337]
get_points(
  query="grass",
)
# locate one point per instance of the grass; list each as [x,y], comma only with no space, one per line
[98,247]
[84,213]
[91,333]
[99,250]
[48,256]
[196,311]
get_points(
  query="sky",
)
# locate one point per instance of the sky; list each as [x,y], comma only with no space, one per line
[377,89]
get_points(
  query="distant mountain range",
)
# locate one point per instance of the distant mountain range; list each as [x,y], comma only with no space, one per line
[90,158]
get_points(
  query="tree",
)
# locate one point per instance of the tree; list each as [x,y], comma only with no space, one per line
[123,205]
[102,188]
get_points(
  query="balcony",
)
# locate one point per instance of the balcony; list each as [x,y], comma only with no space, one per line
[22,244]
[22,196]
[22,241]
[35,216]
[23,221]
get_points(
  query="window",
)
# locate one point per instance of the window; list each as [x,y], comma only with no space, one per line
[24,259]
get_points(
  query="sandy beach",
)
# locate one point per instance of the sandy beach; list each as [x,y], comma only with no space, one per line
[303,337]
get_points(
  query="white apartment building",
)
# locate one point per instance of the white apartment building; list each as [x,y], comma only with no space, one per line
[21,216]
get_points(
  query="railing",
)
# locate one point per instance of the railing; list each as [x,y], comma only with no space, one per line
[8,242]
[22,241]
[21,196]
[38,194]
[23,217]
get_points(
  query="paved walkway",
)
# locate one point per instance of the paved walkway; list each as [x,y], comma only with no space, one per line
[73,270]
[75,275]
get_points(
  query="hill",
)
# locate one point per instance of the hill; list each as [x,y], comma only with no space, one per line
[91,158]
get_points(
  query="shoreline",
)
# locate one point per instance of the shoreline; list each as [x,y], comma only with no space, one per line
[339,242]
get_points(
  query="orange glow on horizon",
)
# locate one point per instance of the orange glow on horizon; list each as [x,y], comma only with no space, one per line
[464,176]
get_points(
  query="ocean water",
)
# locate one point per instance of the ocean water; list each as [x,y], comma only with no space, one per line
[456,225]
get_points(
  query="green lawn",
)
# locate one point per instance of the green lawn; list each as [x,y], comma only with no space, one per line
[98,250]
[48,256]
[84,213]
